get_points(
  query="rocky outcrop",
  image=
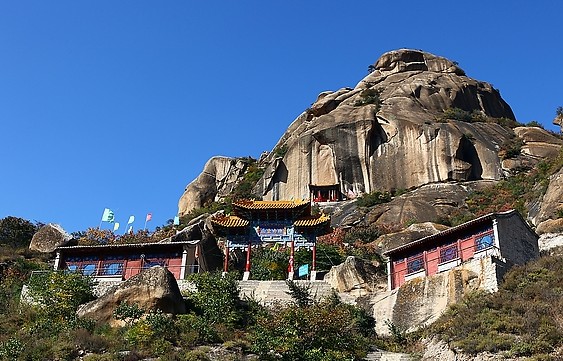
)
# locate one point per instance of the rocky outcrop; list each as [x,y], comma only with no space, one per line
[356,274]
[548,219]
[49,237]
[422,300]
[411,233]
[152,289]
[217,179]
[538,142]
[351,140]
[436,349]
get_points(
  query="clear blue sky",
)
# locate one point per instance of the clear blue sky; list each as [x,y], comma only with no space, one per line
[119,104]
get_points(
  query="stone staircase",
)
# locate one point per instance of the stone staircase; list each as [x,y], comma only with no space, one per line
[380,355]
[269,292]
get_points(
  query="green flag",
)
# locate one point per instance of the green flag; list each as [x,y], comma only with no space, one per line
[108,216]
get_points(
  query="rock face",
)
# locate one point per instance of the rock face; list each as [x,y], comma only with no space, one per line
[421,301]
[49,237]
[354,274]
[411,233]
[218,178]
[548,218]
[344,140]
[152,289]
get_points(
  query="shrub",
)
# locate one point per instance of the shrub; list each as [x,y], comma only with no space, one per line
[269,264]
[534,123]
[559,111]
[329,330]
[217,298]
[373,198]
[369,96]
[511,148]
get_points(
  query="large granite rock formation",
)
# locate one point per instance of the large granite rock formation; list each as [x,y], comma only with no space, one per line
[355,274]
[407,124]
[152,289]
[217,179]
[49,237]
[403,142]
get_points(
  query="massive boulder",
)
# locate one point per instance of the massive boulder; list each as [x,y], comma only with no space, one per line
[356,274]
[217,179]
[405,141]
[152,289]
[49,237]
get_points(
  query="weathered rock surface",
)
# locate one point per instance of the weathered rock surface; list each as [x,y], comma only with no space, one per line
[421,301]
[365,149]
[538,142]
[547,218]
[152,289]
[49,237]
[356,274]
[436,349]
[218,178]
[411,233]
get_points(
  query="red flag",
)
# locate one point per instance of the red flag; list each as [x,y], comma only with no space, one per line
[149,217]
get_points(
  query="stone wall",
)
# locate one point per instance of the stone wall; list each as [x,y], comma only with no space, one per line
[517,242]
[421,301]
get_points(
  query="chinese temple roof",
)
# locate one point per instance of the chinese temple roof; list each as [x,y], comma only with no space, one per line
[265,205]
[311,221]
[230,221]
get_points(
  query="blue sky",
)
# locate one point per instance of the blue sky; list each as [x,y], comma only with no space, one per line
[119,104]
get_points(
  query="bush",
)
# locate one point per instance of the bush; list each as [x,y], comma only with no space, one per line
[523,317]
[329,330]
[369,96]
[373,198]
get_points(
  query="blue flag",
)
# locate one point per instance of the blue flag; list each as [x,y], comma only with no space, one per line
[303,270]
[176,221]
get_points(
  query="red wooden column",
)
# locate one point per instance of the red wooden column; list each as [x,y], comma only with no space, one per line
[291,269]
[246,275]
[314,265]
[226,264]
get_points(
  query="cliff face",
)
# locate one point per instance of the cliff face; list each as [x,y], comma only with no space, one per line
[393,130]
[401,141]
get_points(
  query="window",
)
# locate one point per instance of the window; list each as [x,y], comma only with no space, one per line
[484,241]
[448,253]
[415,263]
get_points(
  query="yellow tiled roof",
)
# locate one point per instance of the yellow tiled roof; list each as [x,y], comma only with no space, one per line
[230,221]
[311,221]
[271,204]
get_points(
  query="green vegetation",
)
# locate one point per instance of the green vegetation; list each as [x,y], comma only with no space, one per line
[474,117]
[373,198]
[511,148]
[534,123]
[522,319]
[369,95]
[17,232]
[559,111]
[327,330]
[511,193]
[281,151]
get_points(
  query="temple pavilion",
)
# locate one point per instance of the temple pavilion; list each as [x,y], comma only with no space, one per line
[259,223]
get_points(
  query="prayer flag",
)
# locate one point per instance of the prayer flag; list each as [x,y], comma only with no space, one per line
[115,226]
[131,219]
[130,229]
[149,217]
[108,215]
[303,270]
[176,221]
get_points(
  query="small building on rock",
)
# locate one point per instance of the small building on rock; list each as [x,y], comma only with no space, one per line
[503,236]
[119,262]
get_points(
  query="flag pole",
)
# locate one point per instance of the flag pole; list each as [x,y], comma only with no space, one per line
[145,224]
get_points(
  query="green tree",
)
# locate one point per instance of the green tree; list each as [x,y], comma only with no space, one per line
[57,294]
[16,232]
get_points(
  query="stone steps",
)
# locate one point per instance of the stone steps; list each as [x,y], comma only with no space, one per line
[380,355]
[269,292]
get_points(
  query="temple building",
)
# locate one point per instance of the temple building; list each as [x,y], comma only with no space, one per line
[118,262]
[259,223]
[325,193]
[505,237]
